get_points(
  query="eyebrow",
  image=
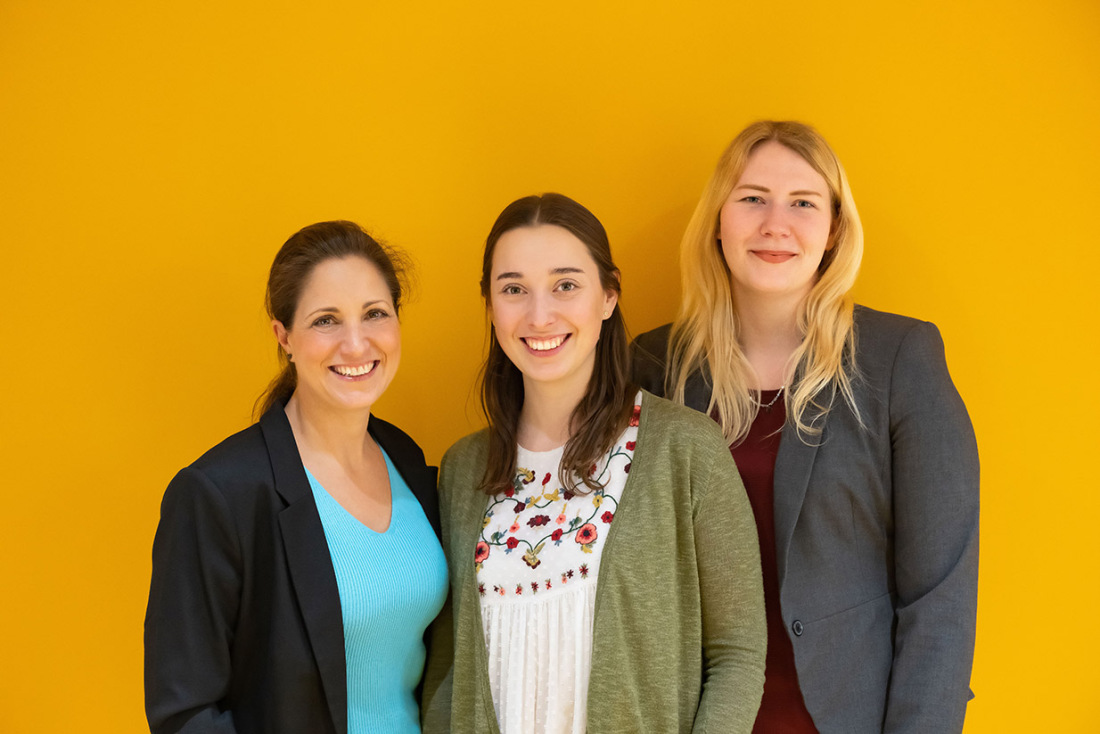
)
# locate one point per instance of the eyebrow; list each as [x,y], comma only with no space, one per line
[766,190]
[334,309]
[555,271]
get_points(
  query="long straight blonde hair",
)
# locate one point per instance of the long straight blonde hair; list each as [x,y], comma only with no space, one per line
[705,336]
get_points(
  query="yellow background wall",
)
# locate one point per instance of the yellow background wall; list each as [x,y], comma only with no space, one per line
[153,156]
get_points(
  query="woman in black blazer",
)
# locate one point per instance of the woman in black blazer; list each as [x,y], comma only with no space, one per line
[857,453]
[297,564]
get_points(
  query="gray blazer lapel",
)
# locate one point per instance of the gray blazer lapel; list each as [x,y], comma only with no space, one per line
[310,564]
[793,468]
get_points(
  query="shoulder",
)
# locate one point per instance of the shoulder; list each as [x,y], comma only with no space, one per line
[679,428]
[648,358]
[887,341]
[235,459]
[465,457]
[653,343]
[879,329]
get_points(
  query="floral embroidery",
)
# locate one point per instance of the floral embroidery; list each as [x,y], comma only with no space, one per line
[543,516]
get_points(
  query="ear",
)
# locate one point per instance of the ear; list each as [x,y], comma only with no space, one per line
[281,334]
[611,296]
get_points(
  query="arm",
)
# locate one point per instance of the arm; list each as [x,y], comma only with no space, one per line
[732,596]
[935,490]
[193,603]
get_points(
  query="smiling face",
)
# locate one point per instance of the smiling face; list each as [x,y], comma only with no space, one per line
[345,338]
[775,225]
[548,306]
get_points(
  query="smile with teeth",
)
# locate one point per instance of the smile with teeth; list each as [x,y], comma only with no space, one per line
[545,345]
[349,371]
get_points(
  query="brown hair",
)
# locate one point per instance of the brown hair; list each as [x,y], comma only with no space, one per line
[605,409]
[294,264]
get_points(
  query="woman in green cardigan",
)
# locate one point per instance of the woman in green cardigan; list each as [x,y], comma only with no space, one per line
[605,574]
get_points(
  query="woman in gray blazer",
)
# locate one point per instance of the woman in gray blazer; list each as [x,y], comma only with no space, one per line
[856,450]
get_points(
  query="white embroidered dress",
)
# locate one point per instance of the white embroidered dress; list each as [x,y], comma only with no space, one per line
[537,561]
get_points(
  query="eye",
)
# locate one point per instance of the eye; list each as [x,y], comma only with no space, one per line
[803,204]
[511,290]
[324,321]
[568,286]
[752,200]
[376,313]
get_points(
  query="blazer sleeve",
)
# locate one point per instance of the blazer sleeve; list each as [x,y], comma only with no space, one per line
[732,599]
[193,604]
[936,502]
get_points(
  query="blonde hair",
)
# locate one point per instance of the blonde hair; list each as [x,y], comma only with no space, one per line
[705,335]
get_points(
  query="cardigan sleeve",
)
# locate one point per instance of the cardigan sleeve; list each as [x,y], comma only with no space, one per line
[193,604]
[935,481]
[732,599]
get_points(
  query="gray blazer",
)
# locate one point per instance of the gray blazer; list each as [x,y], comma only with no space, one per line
[876,533]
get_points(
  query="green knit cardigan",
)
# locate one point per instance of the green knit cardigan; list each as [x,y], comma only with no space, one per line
[679,636]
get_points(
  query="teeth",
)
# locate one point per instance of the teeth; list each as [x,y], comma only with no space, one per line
[542,345]
[355,371]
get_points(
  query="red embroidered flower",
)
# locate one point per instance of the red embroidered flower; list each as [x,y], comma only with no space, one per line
[546,479]
[520,506]
[556,535]
[509,492]
[569,573]
[627,468]
[608,516]
[534,587]
[592,470]
[519,589]
[634,416]
[481,551]
[584,570]
[630,445]
[567,494]
[538,521]
[512,543]
[548,583]
[586,534]
[481,589]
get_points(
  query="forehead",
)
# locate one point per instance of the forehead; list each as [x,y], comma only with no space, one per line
[539,250]
[772,161]
[351,276]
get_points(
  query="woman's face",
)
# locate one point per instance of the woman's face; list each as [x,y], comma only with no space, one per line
[547,305]
[775,225]
[345,338]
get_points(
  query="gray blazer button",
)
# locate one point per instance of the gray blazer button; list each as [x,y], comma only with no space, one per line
[796,627]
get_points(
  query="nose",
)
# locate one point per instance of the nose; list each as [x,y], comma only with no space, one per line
[543,310]
[355,338]
[775,222]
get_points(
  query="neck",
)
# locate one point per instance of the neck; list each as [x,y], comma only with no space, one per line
[545,419]
[337,434]
[769,336]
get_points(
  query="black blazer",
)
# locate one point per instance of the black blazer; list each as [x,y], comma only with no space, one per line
[876,532]
[244,632]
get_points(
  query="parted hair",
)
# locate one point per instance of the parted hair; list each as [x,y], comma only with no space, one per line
[605,409]
[705,334]
[294,264]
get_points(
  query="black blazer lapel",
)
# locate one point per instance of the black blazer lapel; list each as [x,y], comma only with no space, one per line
[408,459]
[310,564]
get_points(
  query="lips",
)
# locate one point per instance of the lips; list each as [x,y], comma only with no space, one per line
[774,256]
[362,370]
[545,345]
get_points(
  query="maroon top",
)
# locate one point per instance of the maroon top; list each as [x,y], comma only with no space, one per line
[782,710]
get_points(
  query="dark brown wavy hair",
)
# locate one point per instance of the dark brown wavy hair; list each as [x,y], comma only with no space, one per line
[604,411]
[295,262]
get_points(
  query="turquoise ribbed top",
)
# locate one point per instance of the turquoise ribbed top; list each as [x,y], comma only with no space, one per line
[392,585]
